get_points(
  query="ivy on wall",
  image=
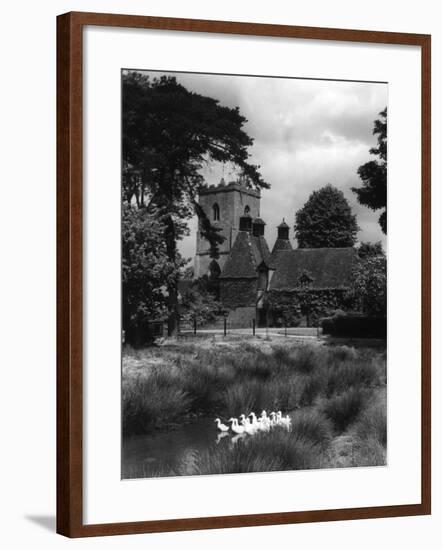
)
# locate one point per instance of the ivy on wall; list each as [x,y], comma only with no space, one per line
[289,306]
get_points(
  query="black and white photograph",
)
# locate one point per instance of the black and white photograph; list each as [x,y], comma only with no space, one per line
[254,274]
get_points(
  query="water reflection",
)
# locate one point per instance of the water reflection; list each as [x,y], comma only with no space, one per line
[164,452]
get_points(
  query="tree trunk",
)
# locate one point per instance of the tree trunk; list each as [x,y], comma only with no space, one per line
[172,285]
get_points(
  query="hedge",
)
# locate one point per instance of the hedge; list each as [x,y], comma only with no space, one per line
[355,325]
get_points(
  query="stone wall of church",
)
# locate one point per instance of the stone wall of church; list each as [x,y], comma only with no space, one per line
[236,293]
[241,317]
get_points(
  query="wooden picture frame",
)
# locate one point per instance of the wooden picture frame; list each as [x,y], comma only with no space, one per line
[70,272]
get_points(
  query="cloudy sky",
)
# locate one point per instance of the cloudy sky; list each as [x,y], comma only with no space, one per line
[307,133]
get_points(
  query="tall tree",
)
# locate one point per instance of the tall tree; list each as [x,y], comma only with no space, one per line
[373,174]
[169,133]
[145,271]
[326,220]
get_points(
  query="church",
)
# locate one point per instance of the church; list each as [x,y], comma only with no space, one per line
[284,286]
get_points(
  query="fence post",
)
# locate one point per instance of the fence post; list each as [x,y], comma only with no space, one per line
[194,325]
[253,325]
[225,326]
[285,330]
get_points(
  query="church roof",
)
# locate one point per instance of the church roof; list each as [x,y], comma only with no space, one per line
[261,251]
[327,267]
[247,254]
[281,244]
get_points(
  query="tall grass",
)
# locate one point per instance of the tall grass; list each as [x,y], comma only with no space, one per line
[373,424]
[276,450]
[151,402]
[344,409]
[231,381]
[314,426]
[350,374]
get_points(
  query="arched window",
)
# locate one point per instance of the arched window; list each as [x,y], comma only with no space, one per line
[215,210]
[246,210]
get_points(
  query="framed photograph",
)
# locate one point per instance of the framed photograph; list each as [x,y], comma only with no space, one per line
[243,276]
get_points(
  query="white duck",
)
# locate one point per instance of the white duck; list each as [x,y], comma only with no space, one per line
[283,421]
[265,421]
[242,418]
[273,421]
[249,428]
[254,422]
[235,427]
[221,427]
[287,421]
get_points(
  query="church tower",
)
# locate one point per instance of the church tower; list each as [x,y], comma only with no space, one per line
[224,204]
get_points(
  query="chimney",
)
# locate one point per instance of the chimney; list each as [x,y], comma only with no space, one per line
[283,231]
[258,226]
[245,223]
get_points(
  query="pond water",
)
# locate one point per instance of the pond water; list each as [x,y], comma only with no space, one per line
[164,452]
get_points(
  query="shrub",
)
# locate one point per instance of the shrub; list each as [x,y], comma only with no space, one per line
[343,409]
[283,394]
[244,397]
[342,353]
[148,402]
[373,424]
[257,366]
[312,386]
[276,450]
[312,426]
[354,325]
[204,382]
[345,375]
[306,359]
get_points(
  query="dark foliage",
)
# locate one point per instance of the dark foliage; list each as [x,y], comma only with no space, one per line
[373,174]
[367,249]
[370,285]
[145,273]
[354,325]
[326,221]
[311,303]
[198,303]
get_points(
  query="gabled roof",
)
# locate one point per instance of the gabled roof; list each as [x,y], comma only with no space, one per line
[247,254]
[327,267]
[261,251]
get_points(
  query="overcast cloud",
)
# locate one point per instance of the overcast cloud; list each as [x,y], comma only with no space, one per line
[307,133]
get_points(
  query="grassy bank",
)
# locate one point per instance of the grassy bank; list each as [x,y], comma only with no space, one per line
[335,396]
